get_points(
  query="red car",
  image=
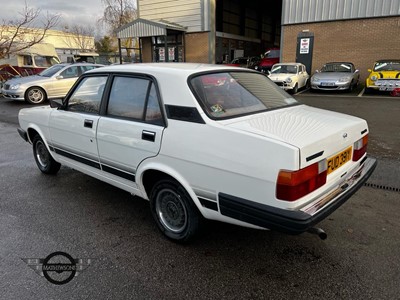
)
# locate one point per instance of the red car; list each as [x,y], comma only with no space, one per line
[271,57]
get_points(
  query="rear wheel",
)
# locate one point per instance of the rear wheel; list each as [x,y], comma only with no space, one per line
[174,211]
[43,158]
[35,95]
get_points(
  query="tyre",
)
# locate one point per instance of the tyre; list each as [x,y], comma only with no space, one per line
[174,211]
[351,87]
[369,91]
[35,95]
[43,158]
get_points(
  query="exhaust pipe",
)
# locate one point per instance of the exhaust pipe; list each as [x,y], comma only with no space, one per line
[318,231]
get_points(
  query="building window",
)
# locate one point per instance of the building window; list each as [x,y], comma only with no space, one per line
[168,48]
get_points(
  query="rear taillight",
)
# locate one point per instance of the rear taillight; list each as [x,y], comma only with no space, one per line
[360,148]
[293,185]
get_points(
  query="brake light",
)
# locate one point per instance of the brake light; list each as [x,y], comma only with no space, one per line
[360,148]
[293,185]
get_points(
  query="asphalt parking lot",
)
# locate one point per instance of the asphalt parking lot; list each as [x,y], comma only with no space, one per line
[88,219]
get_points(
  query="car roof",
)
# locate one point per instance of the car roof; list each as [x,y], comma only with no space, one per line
[77,64]
[170,77]
[289,64]
[176,69]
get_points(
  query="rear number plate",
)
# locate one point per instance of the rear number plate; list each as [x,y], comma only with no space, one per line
[338,160]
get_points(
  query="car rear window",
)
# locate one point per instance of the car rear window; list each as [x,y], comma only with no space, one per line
[233,94]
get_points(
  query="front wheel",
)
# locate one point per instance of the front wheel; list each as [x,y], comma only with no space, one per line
[174,211]
[368,90]
[43,158]
[35,95]
[351,87]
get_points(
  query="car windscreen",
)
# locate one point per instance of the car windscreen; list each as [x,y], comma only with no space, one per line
[272,54]
[284,69]
[232,94]
[51,71]
[387,66]
[337,67]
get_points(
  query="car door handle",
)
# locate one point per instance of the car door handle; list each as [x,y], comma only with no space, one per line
[88,123]
[148,136]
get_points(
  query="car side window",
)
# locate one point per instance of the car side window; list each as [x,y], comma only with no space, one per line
[87,68]
[87,96]
[70,72]
[134,98]
[153,111]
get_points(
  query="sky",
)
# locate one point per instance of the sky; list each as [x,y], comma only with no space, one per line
[80,12]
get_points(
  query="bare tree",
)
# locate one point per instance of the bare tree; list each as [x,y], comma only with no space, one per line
[118,13]
[80,37]
[23,33]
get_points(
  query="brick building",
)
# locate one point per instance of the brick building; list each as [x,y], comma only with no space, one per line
[216,31]
[359,31]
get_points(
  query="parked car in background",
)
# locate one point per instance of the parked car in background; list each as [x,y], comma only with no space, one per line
[238,62]
[269,58]
[253,62]
[336,76]
[384,76]
[31,60]
[53,82]
[289,76]
[245,62]
[237,150]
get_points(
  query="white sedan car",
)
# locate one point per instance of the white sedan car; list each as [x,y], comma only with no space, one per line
[223,143]
[289,76]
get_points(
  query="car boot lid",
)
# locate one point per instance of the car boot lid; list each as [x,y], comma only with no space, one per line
[312,130]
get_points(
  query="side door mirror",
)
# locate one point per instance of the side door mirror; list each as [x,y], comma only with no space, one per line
[57,103]
[58,77]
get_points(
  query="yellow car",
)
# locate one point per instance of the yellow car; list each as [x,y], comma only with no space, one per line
[385,76]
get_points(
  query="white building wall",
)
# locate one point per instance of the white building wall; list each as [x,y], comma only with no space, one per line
[310,11]
[193,14]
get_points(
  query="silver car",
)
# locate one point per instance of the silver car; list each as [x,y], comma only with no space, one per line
[336,76]
[53,82]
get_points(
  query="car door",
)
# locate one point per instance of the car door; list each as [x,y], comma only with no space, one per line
[131,129]
[73,128]
[65,80]
[303,76]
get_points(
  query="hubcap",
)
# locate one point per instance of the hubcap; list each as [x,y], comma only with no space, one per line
[171,210]
[41,154]
[35,95]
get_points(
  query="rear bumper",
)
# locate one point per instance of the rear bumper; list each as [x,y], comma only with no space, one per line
[296,221]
